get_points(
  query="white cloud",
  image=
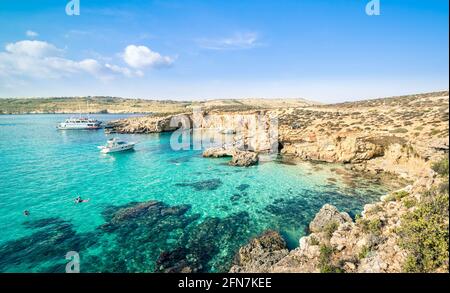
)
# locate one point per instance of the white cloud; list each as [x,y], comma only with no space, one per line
[236,42]
[32,49]
[124,70]
[31,34]
[142,56]
[42,60]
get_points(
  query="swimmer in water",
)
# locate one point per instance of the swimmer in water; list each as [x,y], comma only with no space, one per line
[79,200]
[26,213]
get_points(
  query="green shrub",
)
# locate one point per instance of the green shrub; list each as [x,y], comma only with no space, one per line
[435,131]
[330,269]
[364,252]
[325,263]
[330,228]
[443,187]
[399,130]
[441,167]
[410,202]
[398,195]
[424,234]
[375,209]
[371,226]
[314,241]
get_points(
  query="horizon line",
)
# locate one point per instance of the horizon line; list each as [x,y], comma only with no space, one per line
[311,100]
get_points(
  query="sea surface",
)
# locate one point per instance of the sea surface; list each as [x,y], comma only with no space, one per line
[151,209]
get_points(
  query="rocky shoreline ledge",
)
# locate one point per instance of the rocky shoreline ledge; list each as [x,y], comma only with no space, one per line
[373,243]
[407,137]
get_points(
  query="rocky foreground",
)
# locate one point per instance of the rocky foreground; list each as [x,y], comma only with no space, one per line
[389,236]
[407,137]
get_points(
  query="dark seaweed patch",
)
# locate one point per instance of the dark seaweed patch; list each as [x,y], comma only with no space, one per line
[51,241]
[242,187]
[180,160]
[136,237]
[290,213]
[287,162]
[208,246]
[210,184]
[141,231]
[235,197]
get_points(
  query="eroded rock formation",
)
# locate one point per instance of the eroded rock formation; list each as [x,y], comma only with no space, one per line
[260,254]
[150,124]
[328,215]
[238,157]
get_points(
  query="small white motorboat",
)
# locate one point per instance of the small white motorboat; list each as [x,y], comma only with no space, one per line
[114,145]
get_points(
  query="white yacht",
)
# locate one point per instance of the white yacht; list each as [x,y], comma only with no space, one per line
[116,145]
[79,124]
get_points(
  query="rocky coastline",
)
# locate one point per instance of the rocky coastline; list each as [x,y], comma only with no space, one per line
[402,136]
[338,244]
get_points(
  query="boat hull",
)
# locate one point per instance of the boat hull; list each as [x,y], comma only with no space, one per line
[107,150]
[78,127]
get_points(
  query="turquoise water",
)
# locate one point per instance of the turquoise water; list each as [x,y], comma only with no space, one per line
[203,210]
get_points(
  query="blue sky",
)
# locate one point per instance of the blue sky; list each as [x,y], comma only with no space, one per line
[328,50]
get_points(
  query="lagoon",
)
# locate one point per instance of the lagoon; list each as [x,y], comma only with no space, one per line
[152,206]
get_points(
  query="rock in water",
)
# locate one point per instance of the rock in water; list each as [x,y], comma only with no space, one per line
[260,254]
[244,158]
[218,152]
[327,215]
[239,158]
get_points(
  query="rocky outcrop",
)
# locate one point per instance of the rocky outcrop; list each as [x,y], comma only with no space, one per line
[218,152]
[244,158]
[339,148]
[256,130]
[238,157]
[371,244]
[327,216]
[260,254]
[251,130]
[151,124]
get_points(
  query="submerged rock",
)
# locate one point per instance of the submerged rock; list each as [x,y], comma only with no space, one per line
[208,246]
[174,261]
[51,239]
[140,231]
[210,184]
[243,187]
[133,212]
